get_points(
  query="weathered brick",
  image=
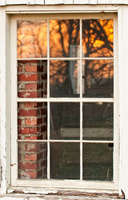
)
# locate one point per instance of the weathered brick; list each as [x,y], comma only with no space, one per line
[31,68]
[28,77]
[32,174]
[32,119]
[31,86]
[31,122]
[32,157]
[28,165]
[28,94]
[23,112]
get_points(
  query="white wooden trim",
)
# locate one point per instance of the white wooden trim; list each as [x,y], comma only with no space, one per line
[85,1]
[3,122]
[77,9]
[66,58]
[89,100]
[68,1]
[14,147]
[68,184]
[27,2]
[55,2]
[116,136]
[123,88]
[2,2]
[112,1]
[72,141]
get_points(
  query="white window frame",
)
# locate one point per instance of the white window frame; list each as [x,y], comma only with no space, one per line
[68,184]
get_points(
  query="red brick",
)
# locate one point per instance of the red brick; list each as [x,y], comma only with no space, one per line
[27,77]
[26,130]
[32,174]
[30,68]
[28,94]
[32,157]
[31,137]
[30,105]
[31,147]
[31,86]
[28,113]
[28,165]
[31,122]
[20,68]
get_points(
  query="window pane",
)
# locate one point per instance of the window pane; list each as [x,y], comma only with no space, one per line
[32,79]
[98,162]
[32,121]
[64,78]
[32,160]
[98,78]
[97,38]
[98,121]
[65,160]
[65,121]
[64,38]
[31,39]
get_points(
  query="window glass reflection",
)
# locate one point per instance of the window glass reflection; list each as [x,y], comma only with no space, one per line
[31,39]
[98,121]
[97,38]
[64,38]
[98,162]
[65,160]
[64,78]
[97,78]
[65,121]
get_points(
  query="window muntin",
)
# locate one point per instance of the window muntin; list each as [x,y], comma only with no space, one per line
[77,97]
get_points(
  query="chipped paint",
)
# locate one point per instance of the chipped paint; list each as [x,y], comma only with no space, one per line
[56,198]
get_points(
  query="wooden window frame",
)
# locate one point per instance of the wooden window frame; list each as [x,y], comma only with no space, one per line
[67,184]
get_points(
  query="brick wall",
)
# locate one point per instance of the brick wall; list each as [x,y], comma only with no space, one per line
[32,120]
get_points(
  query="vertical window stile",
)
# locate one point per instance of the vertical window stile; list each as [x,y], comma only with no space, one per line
[116,138]
[81,109]
[48,103]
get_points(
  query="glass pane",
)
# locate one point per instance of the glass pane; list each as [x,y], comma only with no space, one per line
[65,121]
[98,78]
[32,160]
[98,162]
[65,160]
[64,38]
[98,121]
[32,79]
[31,39]
[32,121]
[64,78]
[97,38]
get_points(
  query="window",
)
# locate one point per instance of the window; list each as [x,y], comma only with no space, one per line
[64,101]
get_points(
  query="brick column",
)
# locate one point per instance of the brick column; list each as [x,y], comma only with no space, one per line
[32,120]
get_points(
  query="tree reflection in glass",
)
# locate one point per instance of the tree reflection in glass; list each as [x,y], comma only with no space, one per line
[97,38]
